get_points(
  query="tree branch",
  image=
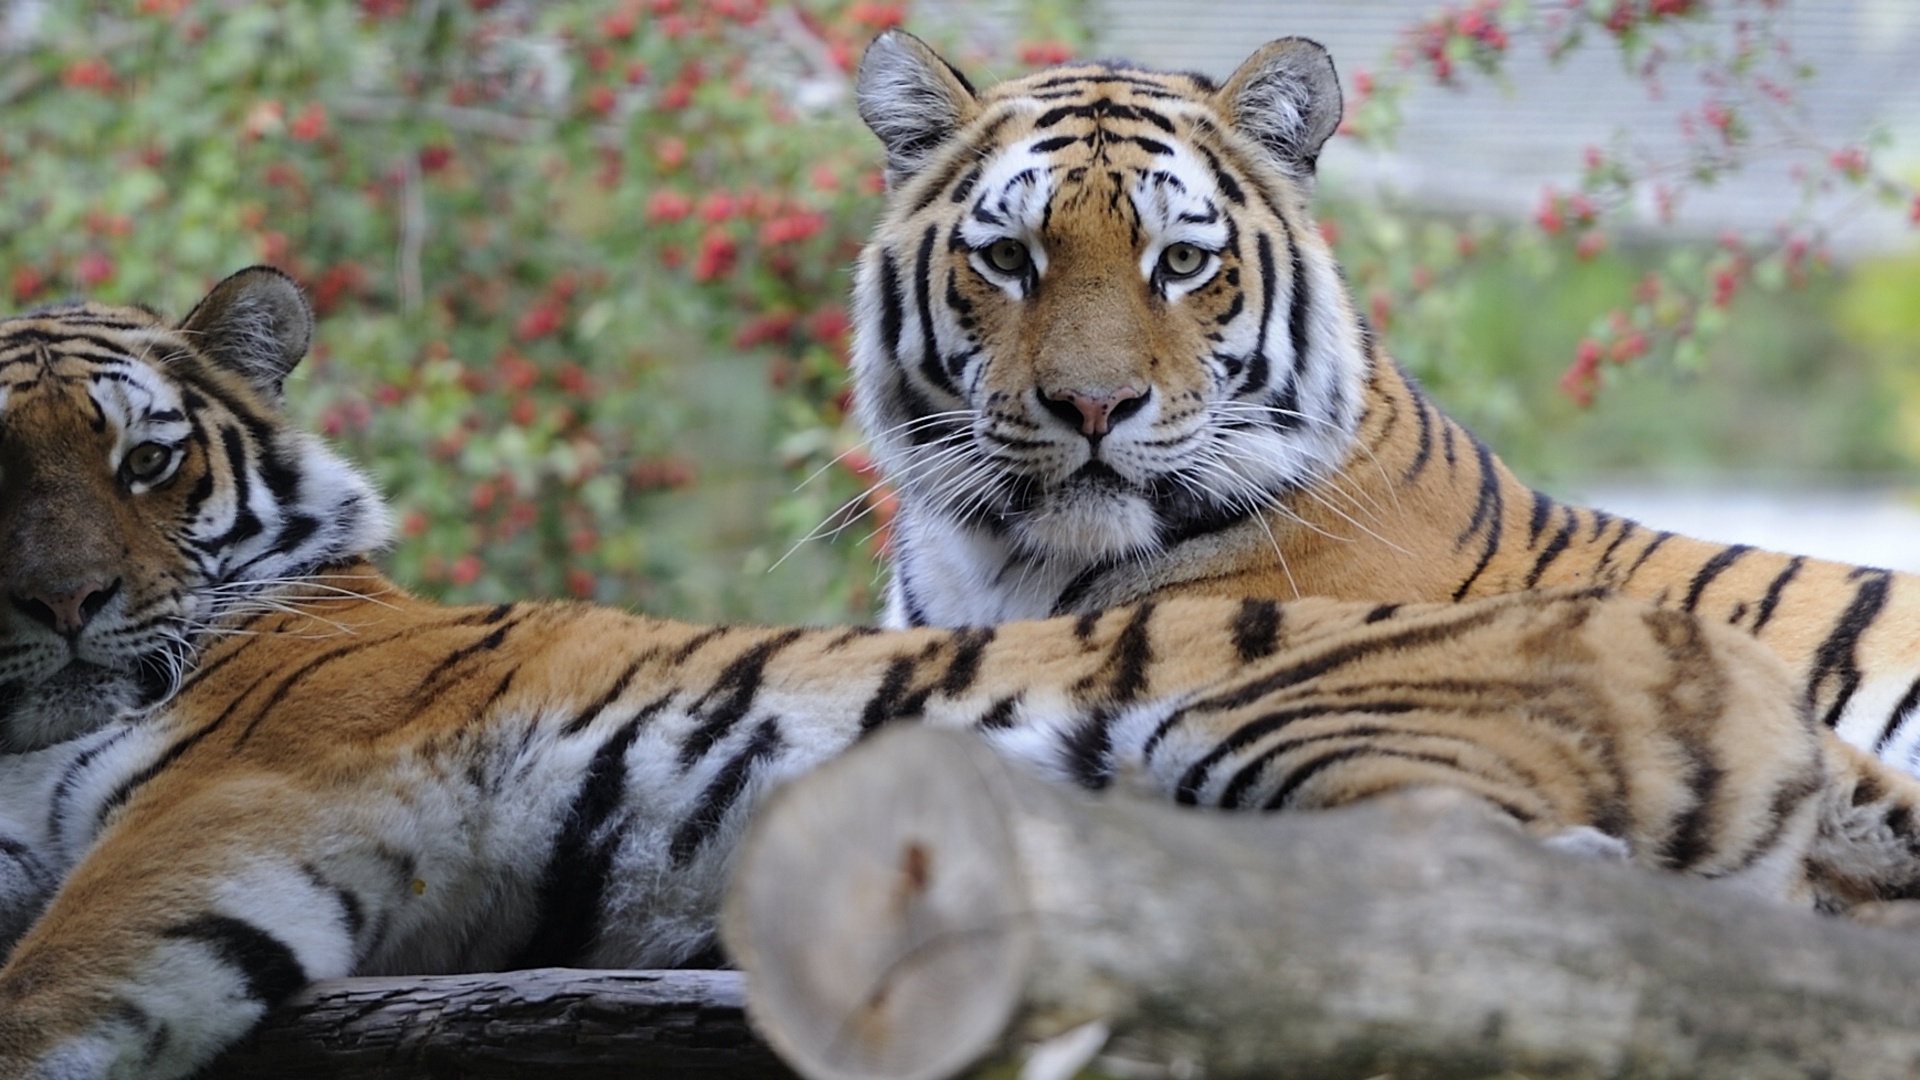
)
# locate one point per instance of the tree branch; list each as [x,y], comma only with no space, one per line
[920,904]
[521,1025]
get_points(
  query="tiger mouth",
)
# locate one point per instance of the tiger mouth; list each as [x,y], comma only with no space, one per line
[1097,476]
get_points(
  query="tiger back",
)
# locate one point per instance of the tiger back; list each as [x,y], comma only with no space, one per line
[350,779]
[1102,352]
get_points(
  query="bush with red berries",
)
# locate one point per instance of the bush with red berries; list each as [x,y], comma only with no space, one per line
[533,234]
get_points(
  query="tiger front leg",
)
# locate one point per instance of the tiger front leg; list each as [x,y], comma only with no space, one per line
[181,928]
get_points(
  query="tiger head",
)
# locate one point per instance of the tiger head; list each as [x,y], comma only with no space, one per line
[148,482]
[1096,318]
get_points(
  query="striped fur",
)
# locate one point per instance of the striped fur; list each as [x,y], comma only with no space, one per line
[362,781]
[109,571]
[1095,429]
[352,779]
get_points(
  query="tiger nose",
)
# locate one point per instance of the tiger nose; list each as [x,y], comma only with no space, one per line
[1094,410]
[67,611]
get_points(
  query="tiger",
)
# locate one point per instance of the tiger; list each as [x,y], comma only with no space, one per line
[348,778]
[1102,352]
[103,594]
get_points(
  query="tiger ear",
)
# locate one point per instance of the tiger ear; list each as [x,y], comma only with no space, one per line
[1286,97]
[256,324]
[912,99]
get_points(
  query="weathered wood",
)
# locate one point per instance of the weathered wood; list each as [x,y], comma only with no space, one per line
[920,904]
[519,1025]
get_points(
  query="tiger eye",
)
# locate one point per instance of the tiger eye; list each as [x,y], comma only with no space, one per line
[147,461]
[1182,260]
[1007,255]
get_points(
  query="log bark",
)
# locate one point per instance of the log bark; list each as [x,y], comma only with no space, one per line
[921,904]
[551,1022]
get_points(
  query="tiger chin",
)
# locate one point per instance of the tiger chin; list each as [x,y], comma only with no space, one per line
[1102,353]
[348,779]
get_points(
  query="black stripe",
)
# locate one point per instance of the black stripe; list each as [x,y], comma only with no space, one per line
[352,913]
[70,778]
[260,712]
[889,699]
[732,695]
[999,716]
[722,793]
[1424,451]
[592,712]
[1774,591]
[1446,626]
[1299,777]
[969,645]
[1187,791]
[1088,751]
[1077,589]
[1690,841]
[1257,373]
[1369,737]
[491,615]
[1786,799]
[1627,528]
[1711,569]
[430,682]
[1645,553]
[696,643]
[246,525]
[1221,178]
[1128,659]
[1554,549]
[575,879]
[1487,513]
[931,366]
[1908,702]
[1256,629]
[1299,302]
[892,308]
[1834,660]
[1542,510]
[268,966]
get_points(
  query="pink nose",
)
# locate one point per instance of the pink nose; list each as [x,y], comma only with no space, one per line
[1095,409]
[68,611]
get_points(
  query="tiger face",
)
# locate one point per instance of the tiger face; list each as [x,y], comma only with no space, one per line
[1096,319]
[148,483]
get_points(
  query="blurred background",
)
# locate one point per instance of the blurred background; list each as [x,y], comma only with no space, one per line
[581,266]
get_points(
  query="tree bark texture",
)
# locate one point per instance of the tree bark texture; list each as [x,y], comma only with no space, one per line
[519,1025]
[921,904]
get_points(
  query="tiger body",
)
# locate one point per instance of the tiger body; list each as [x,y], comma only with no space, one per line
[360,781]
[345,778]
[1102,353]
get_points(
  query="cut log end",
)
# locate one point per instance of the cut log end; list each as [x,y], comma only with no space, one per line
[911,964]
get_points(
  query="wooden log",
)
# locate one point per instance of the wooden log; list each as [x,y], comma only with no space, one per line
[921,904]
[519,1025]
